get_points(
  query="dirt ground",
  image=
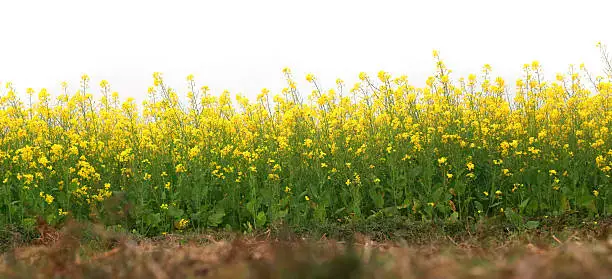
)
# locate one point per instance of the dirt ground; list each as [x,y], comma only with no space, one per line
[543,255]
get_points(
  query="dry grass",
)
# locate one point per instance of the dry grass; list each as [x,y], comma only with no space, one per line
[67,254]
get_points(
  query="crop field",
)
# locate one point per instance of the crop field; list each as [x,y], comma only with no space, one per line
[455,153]
[454,150]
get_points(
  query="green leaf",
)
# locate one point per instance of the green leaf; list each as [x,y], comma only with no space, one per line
[437,195]
[337,212]
[29,223]
[454,217]
[302,194]
[175,212]
[478,206]
[261,219]
[415,171]
[532,225]
[389,211]
[216,218]
[524,204]
[374,215]
[513,217]
[153,219]
[320,214]
[460,187]
[587,202]
[495,204]
[376,196]
[251,207]
[282,214]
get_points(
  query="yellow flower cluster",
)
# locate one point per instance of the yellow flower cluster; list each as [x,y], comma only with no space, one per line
[382,143]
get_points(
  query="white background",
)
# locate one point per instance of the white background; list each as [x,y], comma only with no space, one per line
[243,45]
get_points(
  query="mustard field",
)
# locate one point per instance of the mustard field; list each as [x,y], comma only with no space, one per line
[458,149]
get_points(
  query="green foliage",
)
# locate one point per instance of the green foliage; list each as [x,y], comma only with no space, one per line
[448,152]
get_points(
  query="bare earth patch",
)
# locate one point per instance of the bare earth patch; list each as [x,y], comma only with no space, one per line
[66,255]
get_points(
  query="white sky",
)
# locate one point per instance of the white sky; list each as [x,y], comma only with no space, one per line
[243,45]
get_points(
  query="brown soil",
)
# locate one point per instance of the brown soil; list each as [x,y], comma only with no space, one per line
[577,255]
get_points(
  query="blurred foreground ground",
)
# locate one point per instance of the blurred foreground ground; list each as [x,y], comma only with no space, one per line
[70,254]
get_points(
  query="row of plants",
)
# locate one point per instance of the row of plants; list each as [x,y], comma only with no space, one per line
[455,149]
